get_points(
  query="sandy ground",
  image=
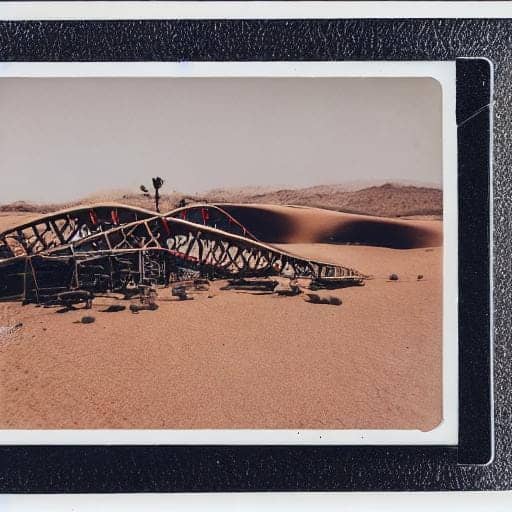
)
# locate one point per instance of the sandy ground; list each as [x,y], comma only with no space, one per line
[238,360]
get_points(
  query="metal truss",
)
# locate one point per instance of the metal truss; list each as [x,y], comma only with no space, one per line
[115,247]
[66,226]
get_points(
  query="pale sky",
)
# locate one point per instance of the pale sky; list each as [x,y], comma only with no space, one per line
[66,138]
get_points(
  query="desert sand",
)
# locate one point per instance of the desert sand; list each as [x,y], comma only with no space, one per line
[239,360]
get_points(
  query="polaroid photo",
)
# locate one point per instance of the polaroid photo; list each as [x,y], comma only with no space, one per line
[228,260]
[230,252]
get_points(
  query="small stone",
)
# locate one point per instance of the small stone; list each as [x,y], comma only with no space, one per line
[88,320]
[420,277]
[393,277]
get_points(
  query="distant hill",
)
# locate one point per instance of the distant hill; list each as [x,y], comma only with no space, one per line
[386,200]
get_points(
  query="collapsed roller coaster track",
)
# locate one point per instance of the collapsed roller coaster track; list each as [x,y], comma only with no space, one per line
[112,247]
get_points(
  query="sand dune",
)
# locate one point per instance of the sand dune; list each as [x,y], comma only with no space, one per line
[385,199]
[285,224]
[11,219]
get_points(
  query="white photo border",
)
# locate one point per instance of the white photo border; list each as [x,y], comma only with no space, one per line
[237,10]
[444,434]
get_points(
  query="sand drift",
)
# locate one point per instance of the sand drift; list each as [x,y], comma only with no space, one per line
[300,224]
[107,248]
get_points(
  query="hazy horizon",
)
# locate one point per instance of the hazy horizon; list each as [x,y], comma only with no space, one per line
[115,194]
[64,139]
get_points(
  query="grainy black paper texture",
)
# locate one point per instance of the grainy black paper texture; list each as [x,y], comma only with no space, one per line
[245,468]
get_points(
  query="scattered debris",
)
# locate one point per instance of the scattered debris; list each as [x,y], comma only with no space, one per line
[113,308]
[393,277]
[314,298]
[333,283]
[180,291]
[69,299]
[87,320]
[130,293]
[257,285]
[135,308]
[288,290]
[8,330]
[181,288]
[201,285]
[147,294]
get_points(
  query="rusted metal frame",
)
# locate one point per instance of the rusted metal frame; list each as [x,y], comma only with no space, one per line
[171,242]
[242,255]
[265,260]
[180,241]
[246,255]
[218,250]
[39,238]
[251,259]
[75,229]
[244,231]
[65,215]
[223,259]
[153,237]
[229,255]
[200,246]
[57,232]
[107,240]
[242,251]
[33,240]
[236,257]
[192,240]
[260,255]
[124,239]
[143,245]
[42,235]
[21,240]
[67,225]
[210,245]
[34,278]
[128,234]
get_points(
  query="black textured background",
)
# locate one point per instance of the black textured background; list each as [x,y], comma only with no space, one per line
[111,469]
[474,95]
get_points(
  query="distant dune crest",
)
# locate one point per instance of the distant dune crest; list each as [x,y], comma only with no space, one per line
[384,200]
